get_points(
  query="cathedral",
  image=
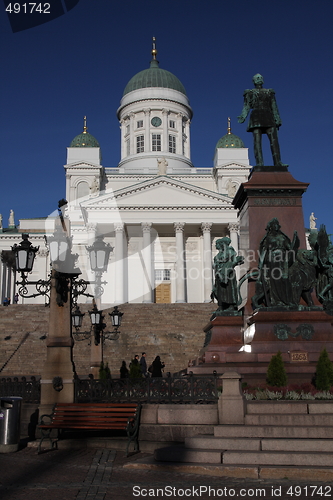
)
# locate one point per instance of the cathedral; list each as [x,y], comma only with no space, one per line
[160,213]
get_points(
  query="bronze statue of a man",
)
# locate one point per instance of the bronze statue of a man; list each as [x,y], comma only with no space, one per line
[264,119]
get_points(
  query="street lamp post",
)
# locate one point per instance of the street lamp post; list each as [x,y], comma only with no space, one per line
[63,288]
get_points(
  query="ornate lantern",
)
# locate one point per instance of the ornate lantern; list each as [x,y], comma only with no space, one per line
[24,255]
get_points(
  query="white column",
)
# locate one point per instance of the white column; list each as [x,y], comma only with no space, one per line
[187,148]
[179,147]
[91,236]
[4,282]
[132,142]
[207,260]
[180,267]
[147,130]
[9,283]
[119,264]
[165,138]
[123,147]
[147,262]
[233,230]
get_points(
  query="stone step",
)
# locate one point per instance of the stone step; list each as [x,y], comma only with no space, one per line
[278,431]
[277,458]
[289,407]
[289,419]
[265,473]
[298,445]
[211,442]
[182,454]
[240,458]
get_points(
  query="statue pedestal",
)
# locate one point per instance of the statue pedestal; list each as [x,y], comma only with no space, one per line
[224,339]
[266,195]
[299,335]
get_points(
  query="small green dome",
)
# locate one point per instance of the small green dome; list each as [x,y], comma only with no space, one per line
[84,140]
[154,76]
[230,141]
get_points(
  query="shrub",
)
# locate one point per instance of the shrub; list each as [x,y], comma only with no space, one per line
[276,373]
[135,369]
[324,372]
[104,371]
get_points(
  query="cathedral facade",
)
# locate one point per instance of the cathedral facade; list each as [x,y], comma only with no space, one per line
[160,214]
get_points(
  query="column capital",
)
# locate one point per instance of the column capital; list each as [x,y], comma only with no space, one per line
[165,111]
[91,227]
[206,227]
[233,227]
[147,111]
[146,227]
[119,227]
[179,227]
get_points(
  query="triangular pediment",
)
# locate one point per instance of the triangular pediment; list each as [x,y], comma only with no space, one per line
[82,165]
[161,191]
[234,166]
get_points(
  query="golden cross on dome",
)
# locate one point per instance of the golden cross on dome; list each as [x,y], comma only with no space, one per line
[154,50]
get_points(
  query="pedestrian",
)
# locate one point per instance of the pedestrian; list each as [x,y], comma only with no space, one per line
[6,301]
[124,373]
[16,298]
[143,365]
[158,365]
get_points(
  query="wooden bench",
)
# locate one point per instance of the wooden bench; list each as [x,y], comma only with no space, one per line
[92,416]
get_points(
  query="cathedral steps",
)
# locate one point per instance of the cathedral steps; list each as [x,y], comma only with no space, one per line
[273,442]
[172,331]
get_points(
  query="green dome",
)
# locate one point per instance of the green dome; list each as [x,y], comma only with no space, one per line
[84,140]
[230,141]
[154,77]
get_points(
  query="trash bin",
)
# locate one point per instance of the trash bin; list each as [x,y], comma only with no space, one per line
[10,421]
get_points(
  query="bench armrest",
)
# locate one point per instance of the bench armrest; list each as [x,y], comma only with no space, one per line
[133,423]
[41,419]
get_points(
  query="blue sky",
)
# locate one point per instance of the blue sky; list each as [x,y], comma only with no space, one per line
[79,64]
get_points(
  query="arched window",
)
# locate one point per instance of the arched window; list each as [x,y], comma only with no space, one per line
[82,190]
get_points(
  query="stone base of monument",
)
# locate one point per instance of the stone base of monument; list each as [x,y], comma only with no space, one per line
[300,335]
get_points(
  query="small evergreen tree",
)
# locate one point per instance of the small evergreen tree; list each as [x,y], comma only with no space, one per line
[324,372]
[276,373]
[104,371]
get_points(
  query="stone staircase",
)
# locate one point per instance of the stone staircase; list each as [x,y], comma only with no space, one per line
[172,331]
[277,440]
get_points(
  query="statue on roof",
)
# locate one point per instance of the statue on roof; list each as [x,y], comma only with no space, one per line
[313,221]
[264,119]
[11,220]
[162,166]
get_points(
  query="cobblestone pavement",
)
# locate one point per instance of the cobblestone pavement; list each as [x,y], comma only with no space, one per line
[89,474]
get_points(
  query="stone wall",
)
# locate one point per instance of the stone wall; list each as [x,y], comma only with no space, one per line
[172,331]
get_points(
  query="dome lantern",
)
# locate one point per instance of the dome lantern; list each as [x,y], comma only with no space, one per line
[230,140]
[84,140]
